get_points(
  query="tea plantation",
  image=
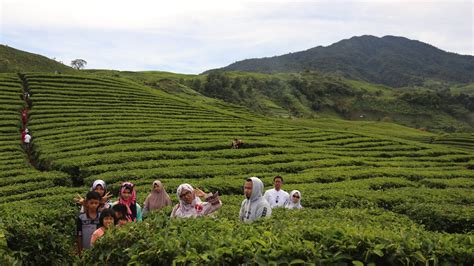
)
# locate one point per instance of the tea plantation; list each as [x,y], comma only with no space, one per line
[373,192]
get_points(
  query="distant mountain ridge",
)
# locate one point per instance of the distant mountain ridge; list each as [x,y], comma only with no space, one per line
[390,60]
[14,60]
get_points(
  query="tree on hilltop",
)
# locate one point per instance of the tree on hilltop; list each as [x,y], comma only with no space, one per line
[78,63]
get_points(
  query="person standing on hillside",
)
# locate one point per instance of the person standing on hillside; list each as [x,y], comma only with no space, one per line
[254,206]
[157,199]
[276,196]
[237,144]
[27,141]
[24,117]
[23,134]
[191,206]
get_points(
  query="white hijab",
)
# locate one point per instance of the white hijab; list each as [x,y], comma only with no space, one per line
[99,182]
[184,209]
[291,204]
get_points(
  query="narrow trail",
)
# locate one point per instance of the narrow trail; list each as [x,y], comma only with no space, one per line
[27,147]
[32,154]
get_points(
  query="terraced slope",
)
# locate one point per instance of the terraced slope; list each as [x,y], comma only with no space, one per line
[90,127]
[18,179]
[457,140]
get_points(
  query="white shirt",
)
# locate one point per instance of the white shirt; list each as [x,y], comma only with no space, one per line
[276,198]
[27,138]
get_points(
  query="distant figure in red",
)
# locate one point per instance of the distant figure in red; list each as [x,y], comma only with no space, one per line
[24,116]
[23,134]
[237,144]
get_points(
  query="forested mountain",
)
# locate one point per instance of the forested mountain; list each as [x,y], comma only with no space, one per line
[437,105]
[390,60]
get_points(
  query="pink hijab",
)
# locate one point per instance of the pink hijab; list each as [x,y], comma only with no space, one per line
[132,200]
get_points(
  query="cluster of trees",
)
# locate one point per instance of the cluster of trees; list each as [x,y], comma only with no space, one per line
[442,99]
[290,92]
[309,93]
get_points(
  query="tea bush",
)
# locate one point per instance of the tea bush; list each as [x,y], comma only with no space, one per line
[373,192]
[333,237]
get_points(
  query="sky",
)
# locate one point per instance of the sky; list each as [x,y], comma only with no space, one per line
[192,36]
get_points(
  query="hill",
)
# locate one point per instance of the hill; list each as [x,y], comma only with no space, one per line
[14,60]
[390,60]
[435,107]
[372,191]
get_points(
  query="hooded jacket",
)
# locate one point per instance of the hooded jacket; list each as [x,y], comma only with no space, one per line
[290,204]
[255,207]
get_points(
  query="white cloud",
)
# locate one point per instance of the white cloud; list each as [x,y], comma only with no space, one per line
[192,36]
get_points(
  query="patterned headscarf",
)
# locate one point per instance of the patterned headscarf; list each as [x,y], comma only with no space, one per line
[131,202]
[187,209]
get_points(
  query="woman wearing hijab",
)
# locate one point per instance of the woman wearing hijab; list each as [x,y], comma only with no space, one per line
[191,206]
[128,197]
[157,199]
[99,187]
[295,200]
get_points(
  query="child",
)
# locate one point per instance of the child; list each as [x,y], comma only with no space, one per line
[87,221]
[120,211]
[122,221]
[128,197]
[106,221]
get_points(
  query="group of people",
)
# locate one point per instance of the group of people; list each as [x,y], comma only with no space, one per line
[258,205]
[25,133]
[98,213]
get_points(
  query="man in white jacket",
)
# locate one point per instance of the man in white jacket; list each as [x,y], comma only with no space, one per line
[254,206]
[277,197]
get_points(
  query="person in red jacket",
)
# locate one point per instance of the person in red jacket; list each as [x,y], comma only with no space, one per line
[23,134]
[24,116]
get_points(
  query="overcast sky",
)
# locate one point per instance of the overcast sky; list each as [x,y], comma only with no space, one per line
[196,35]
